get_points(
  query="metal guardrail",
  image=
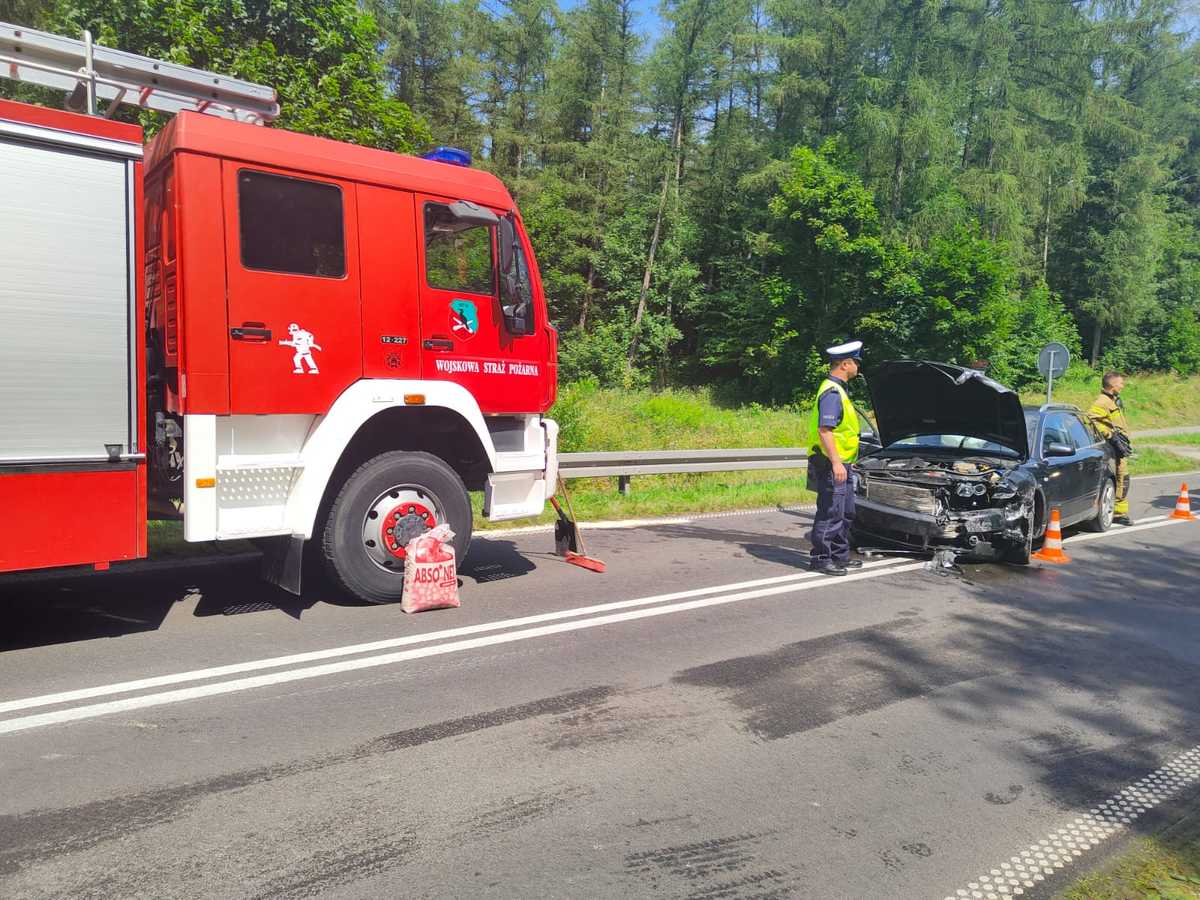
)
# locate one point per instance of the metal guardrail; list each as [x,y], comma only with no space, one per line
[665,462]
[624,464]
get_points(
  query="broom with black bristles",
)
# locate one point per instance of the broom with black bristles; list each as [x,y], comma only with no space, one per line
[567,536]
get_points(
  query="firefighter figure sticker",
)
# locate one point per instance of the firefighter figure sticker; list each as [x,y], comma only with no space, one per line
[464,320]
[304,344]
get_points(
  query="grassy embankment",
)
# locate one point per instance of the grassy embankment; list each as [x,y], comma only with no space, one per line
[1164,867]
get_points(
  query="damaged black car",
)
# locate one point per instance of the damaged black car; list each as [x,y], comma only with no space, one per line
[962,466]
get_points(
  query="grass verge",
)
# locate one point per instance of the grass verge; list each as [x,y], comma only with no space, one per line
[1163,867]
[1186,439]
[1153,461]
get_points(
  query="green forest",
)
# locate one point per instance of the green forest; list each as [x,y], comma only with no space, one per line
[716,189]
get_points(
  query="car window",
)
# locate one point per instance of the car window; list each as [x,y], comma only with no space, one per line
[1057,431]
[1080,435]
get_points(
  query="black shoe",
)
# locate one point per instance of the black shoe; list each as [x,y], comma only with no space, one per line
[828,568]
[851,564]
[1122,520]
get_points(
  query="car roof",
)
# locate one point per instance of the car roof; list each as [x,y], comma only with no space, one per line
[1052,407]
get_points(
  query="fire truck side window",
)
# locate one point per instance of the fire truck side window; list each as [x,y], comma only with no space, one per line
[290,225]
[457,258]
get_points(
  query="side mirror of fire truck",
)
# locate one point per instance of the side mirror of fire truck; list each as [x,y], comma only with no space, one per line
[508,255]
[517,307]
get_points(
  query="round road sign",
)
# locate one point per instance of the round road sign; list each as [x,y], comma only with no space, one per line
[1053,359]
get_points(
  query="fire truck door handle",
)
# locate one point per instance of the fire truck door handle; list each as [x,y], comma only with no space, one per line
[251,332]
[437,344]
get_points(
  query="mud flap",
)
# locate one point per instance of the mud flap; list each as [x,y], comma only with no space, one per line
[282,561]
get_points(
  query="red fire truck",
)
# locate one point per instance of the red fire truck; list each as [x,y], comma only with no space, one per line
[264,334]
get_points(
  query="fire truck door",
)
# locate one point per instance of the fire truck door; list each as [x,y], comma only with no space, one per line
[391,334]
[466,337]
[295,326]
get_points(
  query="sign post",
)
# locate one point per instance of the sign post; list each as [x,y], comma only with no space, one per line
[1052,362]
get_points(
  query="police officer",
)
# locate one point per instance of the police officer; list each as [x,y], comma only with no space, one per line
[1108,415]
[833,447]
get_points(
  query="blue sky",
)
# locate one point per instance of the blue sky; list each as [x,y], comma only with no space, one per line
[648,23]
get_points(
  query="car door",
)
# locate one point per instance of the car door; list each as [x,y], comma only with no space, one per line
[1090,455]
[1061,481]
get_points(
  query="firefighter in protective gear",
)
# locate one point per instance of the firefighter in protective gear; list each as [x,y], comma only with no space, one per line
[833,448]
[1108,415]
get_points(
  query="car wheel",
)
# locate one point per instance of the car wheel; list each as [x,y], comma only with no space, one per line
[1103,519]
[1019,554]
[387,502]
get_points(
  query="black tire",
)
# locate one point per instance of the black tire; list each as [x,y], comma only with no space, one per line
[1105,501]
[371,573]
[1020,554]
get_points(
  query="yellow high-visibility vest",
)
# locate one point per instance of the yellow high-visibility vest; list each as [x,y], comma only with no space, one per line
[845,435]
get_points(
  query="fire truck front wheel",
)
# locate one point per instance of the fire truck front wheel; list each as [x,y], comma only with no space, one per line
[388,501]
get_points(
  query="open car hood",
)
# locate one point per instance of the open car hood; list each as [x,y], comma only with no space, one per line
[912,397]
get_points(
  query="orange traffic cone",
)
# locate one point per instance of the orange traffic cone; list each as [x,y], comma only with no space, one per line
[1183,506]
[1052,550]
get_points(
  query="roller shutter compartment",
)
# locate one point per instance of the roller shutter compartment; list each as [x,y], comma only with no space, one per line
[66,353]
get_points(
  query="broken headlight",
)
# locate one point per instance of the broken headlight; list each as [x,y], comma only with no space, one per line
[1004,492]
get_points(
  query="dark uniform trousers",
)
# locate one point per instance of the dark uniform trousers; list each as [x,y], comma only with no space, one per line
[835,511]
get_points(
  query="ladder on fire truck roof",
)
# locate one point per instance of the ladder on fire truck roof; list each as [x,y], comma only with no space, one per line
[89,72]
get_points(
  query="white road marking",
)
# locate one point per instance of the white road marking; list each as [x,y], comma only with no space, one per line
[613,524]
[72,714]
[610,524]
[1147,524]
[390,643]
[781,585]
[1060,848]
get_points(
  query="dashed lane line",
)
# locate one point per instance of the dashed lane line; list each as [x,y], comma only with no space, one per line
[141,684]
[94,710]
[1062,847]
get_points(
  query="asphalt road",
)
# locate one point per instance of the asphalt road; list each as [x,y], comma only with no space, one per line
[704,721]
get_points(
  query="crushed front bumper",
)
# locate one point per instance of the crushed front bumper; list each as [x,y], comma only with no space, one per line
[983,532]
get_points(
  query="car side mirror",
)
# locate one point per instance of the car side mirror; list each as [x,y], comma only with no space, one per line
[1059,450]
[870,439]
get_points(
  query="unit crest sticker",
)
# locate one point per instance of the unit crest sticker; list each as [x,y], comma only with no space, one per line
[304,344]
[464,320]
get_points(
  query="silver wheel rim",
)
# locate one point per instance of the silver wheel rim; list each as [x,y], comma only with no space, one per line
[394,518]
[1107,502]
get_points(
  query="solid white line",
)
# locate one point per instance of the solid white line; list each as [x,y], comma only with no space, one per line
[333,652]
[1144,525]
[72,714]
[1060,848]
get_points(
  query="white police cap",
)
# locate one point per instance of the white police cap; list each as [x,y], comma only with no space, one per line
[850,350]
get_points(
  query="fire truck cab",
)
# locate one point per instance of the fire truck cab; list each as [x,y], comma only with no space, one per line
[266,334]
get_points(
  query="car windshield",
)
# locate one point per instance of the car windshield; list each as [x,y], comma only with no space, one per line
[952,442]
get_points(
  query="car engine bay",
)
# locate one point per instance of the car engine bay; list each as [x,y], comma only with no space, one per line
[968,503]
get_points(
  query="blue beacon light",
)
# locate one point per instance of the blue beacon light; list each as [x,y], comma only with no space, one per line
[451,155]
